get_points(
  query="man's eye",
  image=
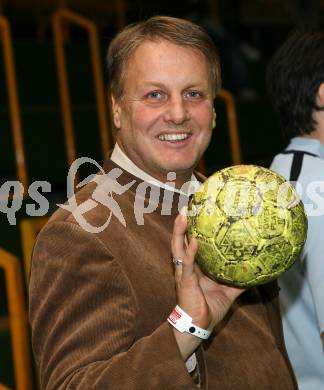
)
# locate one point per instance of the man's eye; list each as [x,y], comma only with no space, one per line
[193,95]
[155,95]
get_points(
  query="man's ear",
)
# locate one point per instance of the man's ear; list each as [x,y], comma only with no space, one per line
[214,118]
[116,111]
[321,95]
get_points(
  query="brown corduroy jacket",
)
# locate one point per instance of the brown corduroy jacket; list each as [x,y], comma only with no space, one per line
[99,304]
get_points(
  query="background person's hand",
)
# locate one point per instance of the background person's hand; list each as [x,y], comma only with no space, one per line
[205,300]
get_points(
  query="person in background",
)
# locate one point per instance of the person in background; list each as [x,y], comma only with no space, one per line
[125,306]
[295,81]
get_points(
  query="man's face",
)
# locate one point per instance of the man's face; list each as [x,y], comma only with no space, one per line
[165,116]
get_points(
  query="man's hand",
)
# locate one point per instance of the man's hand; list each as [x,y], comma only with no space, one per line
[205,300]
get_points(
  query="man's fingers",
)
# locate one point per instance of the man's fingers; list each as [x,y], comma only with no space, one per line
[181,249]
[178,246]
[192,247]
[179,230]
[189,263]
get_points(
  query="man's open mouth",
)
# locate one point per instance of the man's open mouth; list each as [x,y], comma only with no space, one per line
[174,137]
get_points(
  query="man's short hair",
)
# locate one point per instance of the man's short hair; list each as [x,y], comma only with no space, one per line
[294,76]
[177,31]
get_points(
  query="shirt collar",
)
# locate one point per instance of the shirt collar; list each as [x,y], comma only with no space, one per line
[306,144]
[120,158]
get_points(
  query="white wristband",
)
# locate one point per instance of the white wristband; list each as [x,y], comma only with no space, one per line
[183,323]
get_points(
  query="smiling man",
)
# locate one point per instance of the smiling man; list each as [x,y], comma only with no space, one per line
[128,308]
[165,115]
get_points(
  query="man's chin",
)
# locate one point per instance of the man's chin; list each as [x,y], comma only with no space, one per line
[181,169]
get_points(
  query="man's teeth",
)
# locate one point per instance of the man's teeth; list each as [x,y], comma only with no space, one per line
[173,137]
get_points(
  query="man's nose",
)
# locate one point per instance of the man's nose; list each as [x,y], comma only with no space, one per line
[177,111]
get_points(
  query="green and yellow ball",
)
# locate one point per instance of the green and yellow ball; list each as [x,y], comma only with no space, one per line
[250,225]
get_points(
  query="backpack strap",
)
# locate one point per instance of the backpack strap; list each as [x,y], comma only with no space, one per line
[297,162]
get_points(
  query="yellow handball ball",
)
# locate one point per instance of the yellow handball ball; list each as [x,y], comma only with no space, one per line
[250,225]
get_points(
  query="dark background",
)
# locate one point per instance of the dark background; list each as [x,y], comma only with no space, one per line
[247,32]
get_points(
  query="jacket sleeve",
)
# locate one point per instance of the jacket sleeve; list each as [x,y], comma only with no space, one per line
[83,314]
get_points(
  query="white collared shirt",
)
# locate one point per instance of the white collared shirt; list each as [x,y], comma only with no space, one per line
[120,158]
